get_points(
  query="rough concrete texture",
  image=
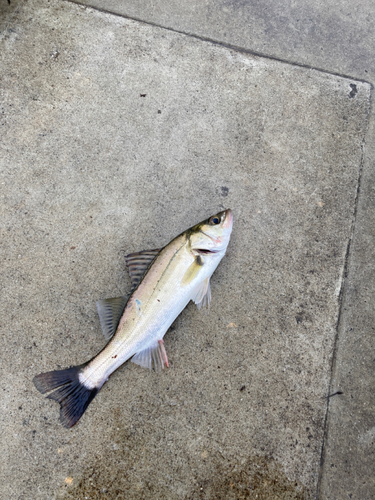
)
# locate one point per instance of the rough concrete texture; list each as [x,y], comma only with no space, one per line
[349,454]
[117,136]
[339,37]
[335,35]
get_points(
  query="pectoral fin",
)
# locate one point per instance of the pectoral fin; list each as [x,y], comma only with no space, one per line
[202,295]
[155,355]
[192,271]
[110,312]
[138,263]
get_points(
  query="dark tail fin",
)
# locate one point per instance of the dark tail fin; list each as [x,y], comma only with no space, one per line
[73,396]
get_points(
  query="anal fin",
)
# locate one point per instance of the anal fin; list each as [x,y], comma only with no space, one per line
[153,356]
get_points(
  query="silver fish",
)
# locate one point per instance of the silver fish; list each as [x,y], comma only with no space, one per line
[163,283]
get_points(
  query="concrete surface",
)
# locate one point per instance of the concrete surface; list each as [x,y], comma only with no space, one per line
[335,35]
[90,168]
[349,460]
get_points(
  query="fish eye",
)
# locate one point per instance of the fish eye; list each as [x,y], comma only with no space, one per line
[214,220]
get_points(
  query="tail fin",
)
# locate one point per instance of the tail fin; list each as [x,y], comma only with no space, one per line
[73,396]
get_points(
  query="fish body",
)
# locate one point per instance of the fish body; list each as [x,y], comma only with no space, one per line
[164,281]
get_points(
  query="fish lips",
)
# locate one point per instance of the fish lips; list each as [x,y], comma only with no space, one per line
[228,221]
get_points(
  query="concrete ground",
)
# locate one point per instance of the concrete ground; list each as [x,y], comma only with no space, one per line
[119,132]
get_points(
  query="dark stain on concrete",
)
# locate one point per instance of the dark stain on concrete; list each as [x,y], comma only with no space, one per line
[258,477]
[354,90]
[142,466]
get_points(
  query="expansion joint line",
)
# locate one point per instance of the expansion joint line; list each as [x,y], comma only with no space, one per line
[342,297]
[230,46]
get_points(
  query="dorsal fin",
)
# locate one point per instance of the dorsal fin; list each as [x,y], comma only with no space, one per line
[138,263]
[110,312]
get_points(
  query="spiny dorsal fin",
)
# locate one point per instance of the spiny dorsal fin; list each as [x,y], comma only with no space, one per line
[110,312]
[138,263]
[154,355]
[202,296]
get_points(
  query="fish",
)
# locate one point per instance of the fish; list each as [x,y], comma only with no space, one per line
[163,282]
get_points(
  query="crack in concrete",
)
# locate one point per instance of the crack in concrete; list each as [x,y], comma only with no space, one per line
[341,296]
[237,48]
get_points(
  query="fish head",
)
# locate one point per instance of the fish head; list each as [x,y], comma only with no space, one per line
[212,235]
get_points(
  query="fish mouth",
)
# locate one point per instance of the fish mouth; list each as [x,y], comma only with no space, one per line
[204,251]
[228,221]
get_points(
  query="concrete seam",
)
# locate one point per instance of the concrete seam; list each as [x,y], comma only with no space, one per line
[236,48]
[341,298]
[348,253]
[355,208]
